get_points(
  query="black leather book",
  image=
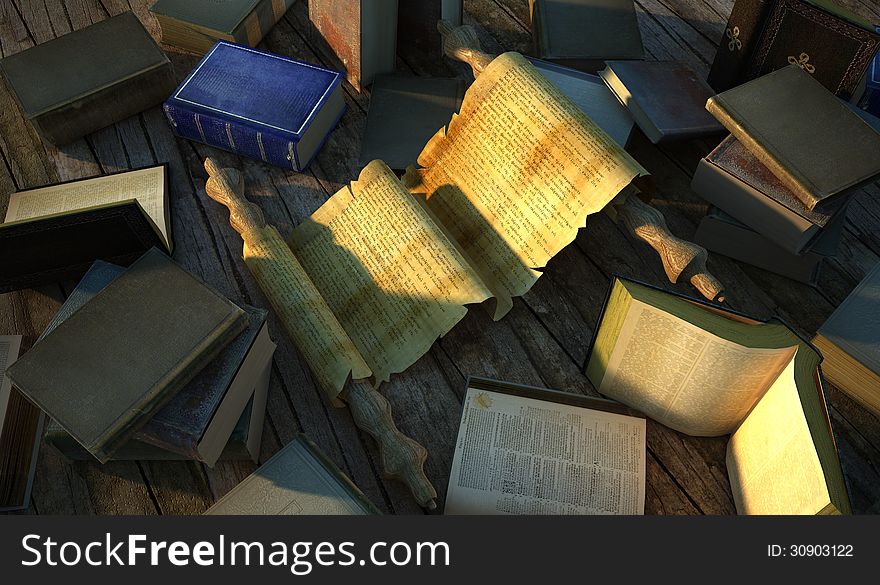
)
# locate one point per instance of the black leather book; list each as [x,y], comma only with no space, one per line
[831,43]
[54,233]
[111,365]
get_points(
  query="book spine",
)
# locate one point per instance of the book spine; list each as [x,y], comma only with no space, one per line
[752,145]
[233,136]
[738,42]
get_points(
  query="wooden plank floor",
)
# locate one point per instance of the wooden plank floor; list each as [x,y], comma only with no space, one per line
[543,341]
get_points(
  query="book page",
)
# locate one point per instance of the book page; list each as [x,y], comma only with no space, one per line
[145,185]
[386,270]
[771,459]
[517,455]
[517,173]
[684,377]
[327,348]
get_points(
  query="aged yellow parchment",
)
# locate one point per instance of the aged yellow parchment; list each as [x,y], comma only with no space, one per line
[386,270]
[517,173]
[327,348]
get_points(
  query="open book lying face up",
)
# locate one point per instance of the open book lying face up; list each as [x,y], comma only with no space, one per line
[708,372]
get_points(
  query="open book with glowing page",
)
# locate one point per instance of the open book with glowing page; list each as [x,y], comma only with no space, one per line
[706,371]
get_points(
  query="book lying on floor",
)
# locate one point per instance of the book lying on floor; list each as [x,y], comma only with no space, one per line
[298,480]
[257,104]
[734,180]
[706,371]
[106,369]
[386,266]
[592,96]
[526,450]
[417,25]
[585,33]
[722,234]
[361,36]
[850,342]
[21,424]
[197,422]
[89,78]
[808,138]
[830,42]
[405,112]
[666,98]
[195,25]
[54,233]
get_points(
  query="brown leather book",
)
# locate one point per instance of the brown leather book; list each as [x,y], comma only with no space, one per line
[816,145]
[666,98]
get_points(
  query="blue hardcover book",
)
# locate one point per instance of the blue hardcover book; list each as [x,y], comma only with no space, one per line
[870,100]
[258,104]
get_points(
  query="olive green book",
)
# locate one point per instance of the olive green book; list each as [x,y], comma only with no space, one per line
[809,139]
[104,371]
[706,371]
[195,25]
[89,78]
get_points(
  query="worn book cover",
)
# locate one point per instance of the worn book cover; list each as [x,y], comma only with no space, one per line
[258,104]
[829,42]
[417,24]
[195,25]
[359,35]
[869,100]
[849,340]
[298,480]
[405,112]
[592,96]
[722,234]
[666,98]
[541,476]
[197,421]
[585,33]
[21,424]
[706,371]
[811,141]
[109,367]
[54,233]
[90,78]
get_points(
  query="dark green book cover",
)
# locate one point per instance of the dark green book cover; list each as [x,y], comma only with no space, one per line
[104,371]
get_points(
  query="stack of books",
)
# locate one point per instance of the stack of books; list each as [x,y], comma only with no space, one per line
[150,363]
[782,179]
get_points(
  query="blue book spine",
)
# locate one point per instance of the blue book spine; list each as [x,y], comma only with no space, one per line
[236,137]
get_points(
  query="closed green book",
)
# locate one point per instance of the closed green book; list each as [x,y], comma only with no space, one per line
[111,365]
[90,78]
[195,25]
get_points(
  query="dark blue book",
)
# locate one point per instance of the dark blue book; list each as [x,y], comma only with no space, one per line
[870,100]
[258,104]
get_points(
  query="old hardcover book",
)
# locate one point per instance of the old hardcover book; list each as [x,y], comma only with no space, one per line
[90,78]
[850,343]
[809,139]
[405,112]
[706,371]
[417,24]
[388,265]
[583,34]
[197,422]
[298,480]
[592,96]
[722,234]
[257,104]
[361,35]
[21,424]
[869,98]
[195,25]
[111,365]
[504,463]
[666,98]
[54,233]
[829,42]
[734,180]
